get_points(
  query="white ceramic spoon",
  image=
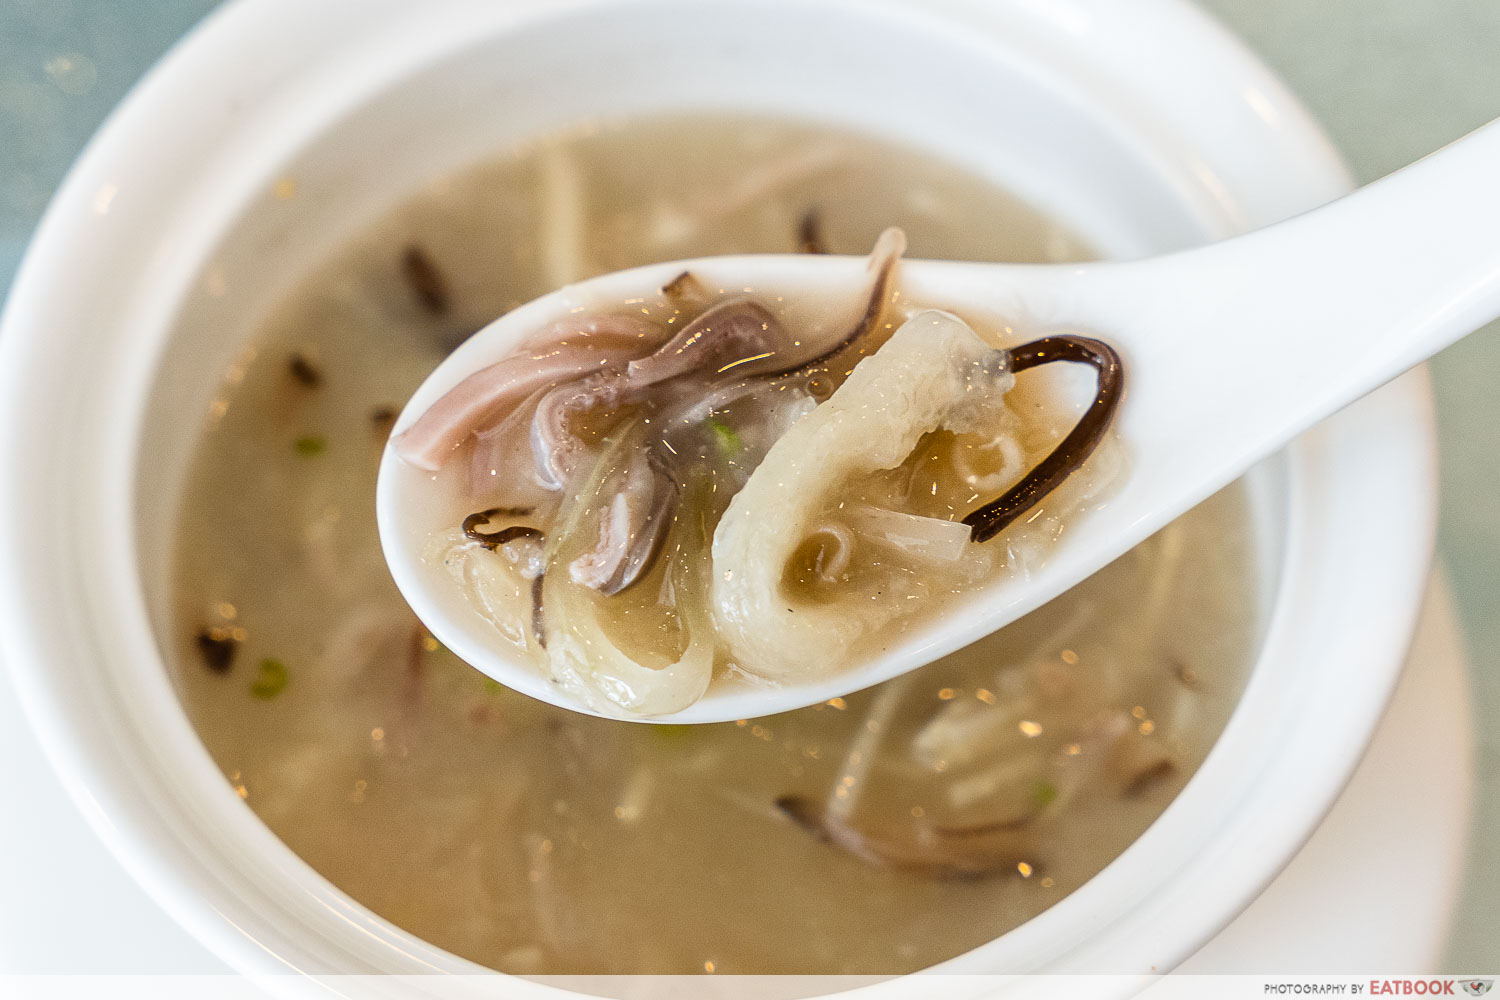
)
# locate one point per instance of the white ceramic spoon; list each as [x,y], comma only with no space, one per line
[1230,351]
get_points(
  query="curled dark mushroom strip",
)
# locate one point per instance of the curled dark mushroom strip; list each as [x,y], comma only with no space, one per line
[495,539]
[995,516]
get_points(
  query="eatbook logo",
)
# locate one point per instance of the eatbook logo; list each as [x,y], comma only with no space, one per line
[1478,987]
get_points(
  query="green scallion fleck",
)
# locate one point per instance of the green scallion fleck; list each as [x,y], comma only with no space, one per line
[271,680]
[1043,793]
[493,686]
[725,437]
[671,733]
[310,444]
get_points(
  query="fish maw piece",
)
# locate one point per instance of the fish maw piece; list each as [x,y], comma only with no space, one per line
[933,373]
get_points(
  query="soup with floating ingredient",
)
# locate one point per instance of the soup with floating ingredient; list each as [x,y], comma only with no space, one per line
[878,833]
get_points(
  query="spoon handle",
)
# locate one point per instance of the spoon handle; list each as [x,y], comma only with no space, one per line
[1233,349]
[1291,323]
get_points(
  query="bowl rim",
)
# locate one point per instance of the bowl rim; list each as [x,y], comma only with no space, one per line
[119,815]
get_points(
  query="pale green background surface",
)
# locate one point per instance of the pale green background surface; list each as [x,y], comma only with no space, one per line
[1390,79]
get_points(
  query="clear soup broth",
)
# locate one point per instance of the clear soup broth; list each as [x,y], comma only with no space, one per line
[880,833]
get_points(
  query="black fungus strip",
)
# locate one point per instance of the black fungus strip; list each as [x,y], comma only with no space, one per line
[425,280]
[382,418]
[538,626]
[810,232]
[495,539]
[216,649]
[995,516]
[304,371]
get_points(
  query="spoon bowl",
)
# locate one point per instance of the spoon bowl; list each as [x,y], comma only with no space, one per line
[1231,351]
